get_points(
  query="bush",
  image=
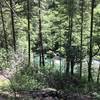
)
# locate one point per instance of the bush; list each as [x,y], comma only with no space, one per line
[25,82]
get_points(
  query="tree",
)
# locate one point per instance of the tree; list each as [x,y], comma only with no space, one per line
[81,36]
[28,19]
[98,75]
[40,37]
[4,31]
[69,36]
[91,42]
[13,25]
[70,12]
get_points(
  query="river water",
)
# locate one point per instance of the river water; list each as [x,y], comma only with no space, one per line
[58,62]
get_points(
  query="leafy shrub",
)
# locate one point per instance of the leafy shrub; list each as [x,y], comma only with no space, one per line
[25,82]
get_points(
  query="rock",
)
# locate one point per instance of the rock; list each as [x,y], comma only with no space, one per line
[47,98]
[49,89]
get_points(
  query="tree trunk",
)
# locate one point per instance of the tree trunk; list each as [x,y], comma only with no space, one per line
[81,36]
[4,31]
[60,56]
[91,42]
[70,35]
[13,26]
[40,37]
[71,58]
[98,76]
[72,67]
[68,51]
[28,19]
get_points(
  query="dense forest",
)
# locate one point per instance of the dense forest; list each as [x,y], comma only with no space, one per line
[49,49]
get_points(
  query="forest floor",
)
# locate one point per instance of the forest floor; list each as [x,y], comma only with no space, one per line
[27,97]
[44,95]
[38,95]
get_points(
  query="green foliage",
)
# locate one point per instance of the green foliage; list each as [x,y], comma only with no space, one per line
[3,59]
[55,28]
[25,79]
[25,82]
